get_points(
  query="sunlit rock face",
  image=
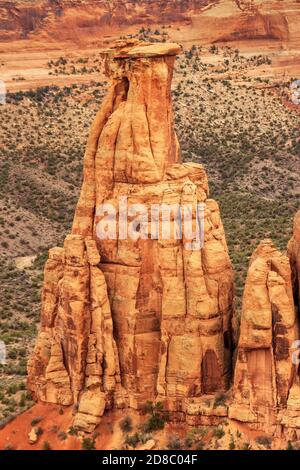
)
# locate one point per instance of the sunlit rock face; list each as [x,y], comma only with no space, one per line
[129,320]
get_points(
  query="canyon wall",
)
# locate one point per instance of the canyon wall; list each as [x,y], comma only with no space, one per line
[63,19]
[85,21]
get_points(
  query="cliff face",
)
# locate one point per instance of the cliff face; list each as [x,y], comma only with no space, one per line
[60,18]
[219,20]
[152,320]
[257,25]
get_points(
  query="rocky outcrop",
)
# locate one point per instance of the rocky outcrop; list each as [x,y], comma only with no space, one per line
[75,358]
[152,320]
[137,308]
[257,25]
[68,19]
[294,256]
[209,21]
[265,378]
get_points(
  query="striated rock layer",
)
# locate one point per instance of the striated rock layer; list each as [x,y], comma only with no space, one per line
[152,320]
[70,19]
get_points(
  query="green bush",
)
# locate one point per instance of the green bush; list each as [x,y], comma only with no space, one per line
[132,440]
[88,444]
[155,422]
[46,445]
[219,432]
[126,424]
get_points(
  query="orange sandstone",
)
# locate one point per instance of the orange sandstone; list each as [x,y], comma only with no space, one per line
[125,321]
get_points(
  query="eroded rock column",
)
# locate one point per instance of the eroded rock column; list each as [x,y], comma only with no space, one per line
[265,372]
[162,330]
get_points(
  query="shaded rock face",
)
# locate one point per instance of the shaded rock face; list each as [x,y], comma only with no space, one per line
[265,378]
[152,320]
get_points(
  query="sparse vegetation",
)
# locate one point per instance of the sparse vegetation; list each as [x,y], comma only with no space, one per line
[126,424]
[132,440]
[174,443]
[264,441]
[46,445]
[219,432]
[220,400]
[88,444]
[157,417]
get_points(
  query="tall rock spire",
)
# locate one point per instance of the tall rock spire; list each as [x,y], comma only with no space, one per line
[152,319]
[266,382]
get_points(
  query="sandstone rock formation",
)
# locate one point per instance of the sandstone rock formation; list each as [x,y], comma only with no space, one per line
[152,320]
[266,383]
[75,354]
[294,256]
[61,18]
[207,20]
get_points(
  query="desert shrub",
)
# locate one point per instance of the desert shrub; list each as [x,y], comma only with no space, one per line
[73,431]
[219,432]
[126,424]
[155,422]
[200,445]
[147,407]
[174,443]
[36,421]
[264,441]
[62,436]
[132,440]
[88,444]
[231,444]
[189,441]
[289,446]
[22,401]
[39,431]
[46,445]
[246,446]
[220,400]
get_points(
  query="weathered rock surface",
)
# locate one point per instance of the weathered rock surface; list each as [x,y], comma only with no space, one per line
[294,256]
[65,19]
[32,436]
[210,21]
[149,445]
[75,358]
[152,320]
[265,379]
